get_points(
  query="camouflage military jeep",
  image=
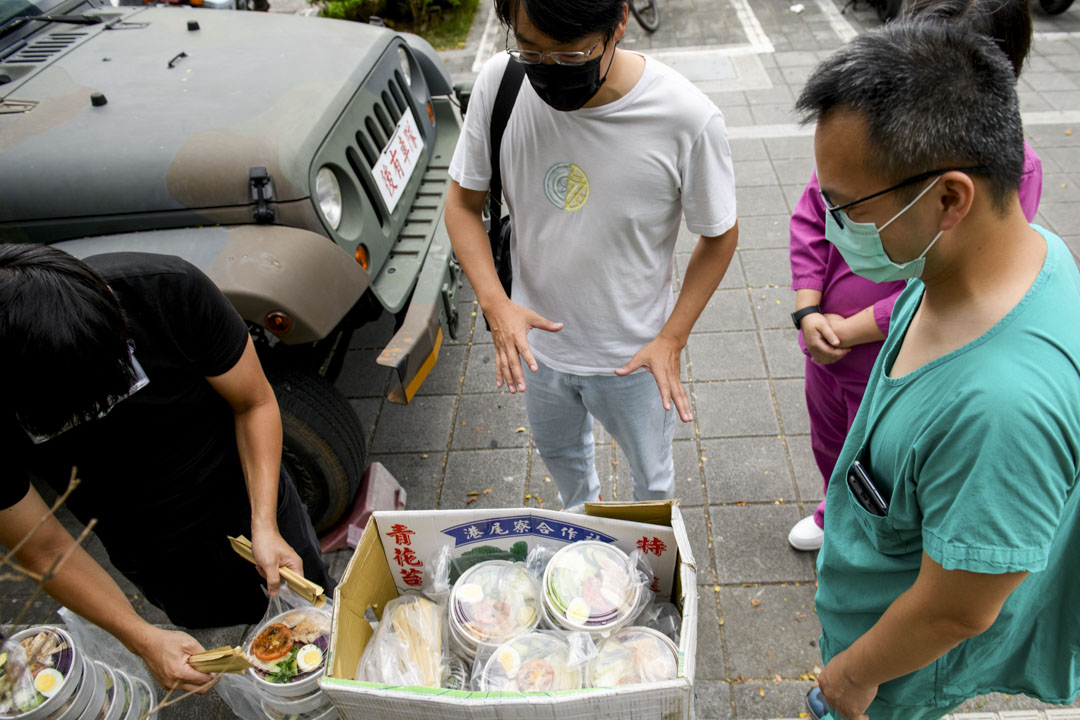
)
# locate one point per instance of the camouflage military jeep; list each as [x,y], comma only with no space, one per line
[300,162]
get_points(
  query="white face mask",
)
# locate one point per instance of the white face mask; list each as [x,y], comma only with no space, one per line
[860,246]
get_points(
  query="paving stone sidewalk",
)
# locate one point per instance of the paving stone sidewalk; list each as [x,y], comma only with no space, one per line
[744,468]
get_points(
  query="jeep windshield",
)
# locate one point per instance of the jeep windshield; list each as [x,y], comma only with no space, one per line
[11,10]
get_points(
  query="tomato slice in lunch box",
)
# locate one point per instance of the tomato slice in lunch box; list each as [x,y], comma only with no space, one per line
[273,642]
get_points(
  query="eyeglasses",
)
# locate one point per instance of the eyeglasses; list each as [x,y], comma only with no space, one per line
[837,210]
[99,410]
[535,57]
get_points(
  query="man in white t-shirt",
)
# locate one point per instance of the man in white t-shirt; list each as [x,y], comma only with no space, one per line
[604,153]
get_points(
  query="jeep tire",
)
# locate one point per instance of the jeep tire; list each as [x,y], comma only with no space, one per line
[1054,7]
[323,444]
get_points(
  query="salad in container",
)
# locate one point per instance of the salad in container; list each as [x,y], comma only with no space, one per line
[591,586]
[533,662]
[289,652]
[45,670]
[491,603]
[634,655]
[123,694]
[112,708]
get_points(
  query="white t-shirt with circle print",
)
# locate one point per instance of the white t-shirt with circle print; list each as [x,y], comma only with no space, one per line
[596,196]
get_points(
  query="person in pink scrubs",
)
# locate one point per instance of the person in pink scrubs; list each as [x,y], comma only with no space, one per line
[843,318]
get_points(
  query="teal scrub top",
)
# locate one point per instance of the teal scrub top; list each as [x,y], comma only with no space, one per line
[977,454]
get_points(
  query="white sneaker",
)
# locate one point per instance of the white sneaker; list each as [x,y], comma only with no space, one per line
[806,535]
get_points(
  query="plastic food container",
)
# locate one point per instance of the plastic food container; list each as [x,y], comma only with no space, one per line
[631,656]
[123,693]
[307,627]
[327,713]
[68,661]
[533,662]
[142,699]
[491,603]
[298,706]
[591,586]
[113,707]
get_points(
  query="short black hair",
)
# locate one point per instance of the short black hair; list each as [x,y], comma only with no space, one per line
[1006,22]
[63,337]
[565,20]
[932,95]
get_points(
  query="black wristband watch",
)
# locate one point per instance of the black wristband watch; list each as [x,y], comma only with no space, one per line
[798,315]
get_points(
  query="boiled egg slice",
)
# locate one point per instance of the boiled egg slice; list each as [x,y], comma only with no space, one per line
[578,611]
[48,681]
[309,658]
[510,661]
[471,593]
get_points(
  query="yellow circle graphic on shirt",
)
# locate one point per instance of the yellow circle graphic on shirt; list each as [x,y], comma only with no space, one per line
[566,186]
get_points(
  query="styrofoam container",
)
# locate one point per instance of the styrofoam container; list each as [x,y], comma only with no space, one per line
[310,682]
[591,587]
[61,701]
[633,655]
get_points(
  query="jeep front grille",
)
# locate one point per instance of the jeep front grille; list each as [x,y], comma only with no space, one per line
[373,135]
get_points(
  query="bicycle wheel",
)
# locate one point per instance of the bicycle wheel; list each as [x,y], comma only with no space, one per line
[647,13]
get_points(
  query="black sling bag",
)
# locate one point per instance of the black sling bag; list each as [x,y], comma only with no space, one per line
[499,226]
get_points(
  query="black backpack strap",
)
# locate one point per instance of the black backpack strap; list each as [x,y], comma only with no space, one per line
[500,114]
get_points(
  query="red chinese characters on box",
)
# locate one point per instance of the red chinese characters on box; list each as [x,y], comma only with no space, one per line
[654,545]
[405,557]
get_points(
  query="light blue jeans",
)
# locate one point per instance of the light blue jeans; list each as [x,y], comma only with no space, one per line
[561,408]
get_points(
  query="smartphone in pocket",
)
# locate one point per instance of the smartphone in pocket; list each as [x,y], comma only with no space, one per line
[864,490]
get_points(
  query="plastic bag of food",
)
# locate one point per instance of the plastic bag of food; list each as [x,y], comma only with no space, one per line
[288,649]
[437,579]
[595,587]
[409,646]
[538,661]
[491,603]
[633,655]
[17,691]
[664,618]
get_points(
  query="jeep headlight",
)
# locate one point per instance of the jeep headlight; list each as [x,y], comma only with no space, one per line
[406,68]
[328,194]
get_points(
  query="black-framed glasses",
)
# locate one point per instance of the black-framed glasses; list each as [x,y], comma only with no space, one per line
[99,410]
[535,57]
[837,211]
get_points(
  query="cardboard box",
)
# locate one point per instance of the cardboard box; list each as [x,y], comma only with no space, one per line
[389,560]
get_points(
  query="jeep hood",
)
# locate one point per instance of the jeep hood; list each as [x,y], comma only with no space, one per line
[188,112]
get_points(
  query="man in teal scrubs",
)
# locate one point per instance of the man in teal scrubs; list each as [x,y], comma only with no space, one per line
[967,580]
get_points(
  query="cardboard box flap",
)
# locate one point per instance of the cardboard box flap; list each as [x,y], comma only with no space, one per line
[654,512]
[352,599]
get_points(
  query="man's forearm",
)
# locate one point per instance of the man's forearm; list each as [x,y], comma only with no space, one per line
[859,329]
[469,238]
[906,638]
[704,272]
[258,441]
[805,297]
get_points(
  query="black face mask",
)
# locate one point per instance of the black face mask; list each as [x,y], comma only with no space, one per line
[567,87]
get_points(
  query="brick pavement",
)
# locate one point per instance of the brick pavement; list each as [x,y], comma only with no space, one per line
[744,469]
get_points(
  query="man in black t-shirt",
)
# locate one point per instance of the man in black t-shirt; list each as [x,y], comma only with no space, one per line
[135,369]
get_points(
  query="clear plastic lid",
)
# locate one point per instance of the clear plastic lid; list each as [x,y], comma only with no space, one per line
[494,601]
[634,655]
[591,586]
[533,662]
